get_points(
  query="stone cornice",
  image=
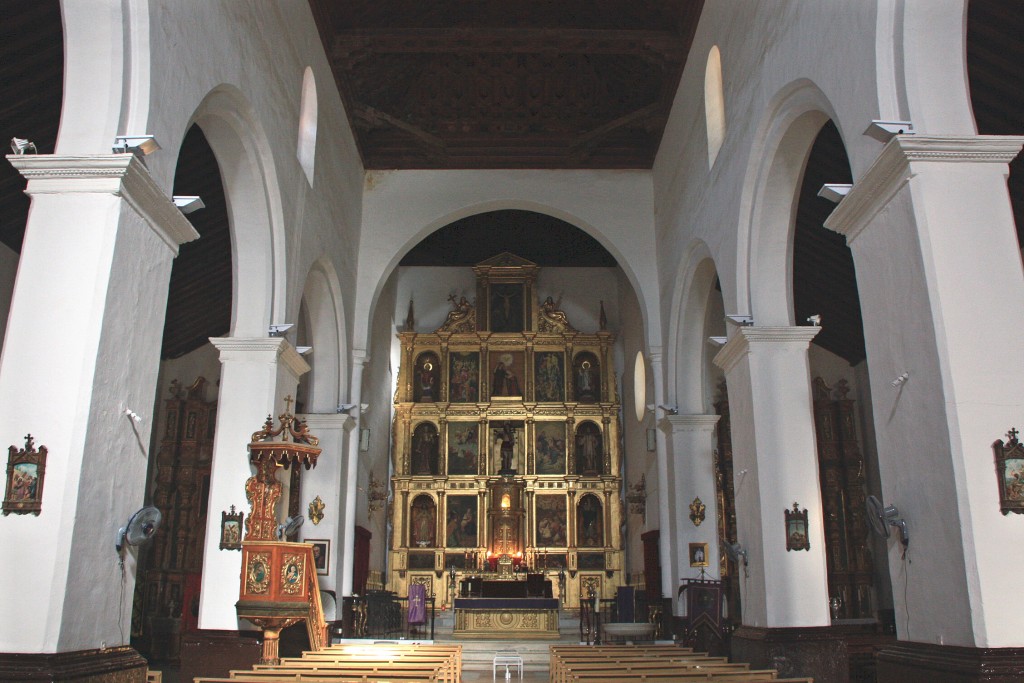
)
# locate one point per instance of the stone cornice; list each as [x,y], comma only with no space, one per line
[692,423]
[261,349]
[896,163]
[745,337]
[122,175]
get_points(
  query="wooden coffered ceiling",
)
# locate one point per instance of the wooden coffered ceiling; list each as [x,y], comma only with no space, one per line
[498,84]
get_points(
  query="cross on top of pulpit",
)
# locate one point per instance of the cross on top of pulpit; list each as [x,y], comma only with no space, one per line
[288,400]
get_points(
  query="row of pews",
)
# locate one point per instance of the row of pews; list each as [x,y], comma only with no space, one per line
[370,663]
[658,663]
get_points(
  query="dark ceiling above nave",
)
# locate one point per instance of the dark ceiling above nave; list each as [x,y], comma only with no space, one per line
[499,84]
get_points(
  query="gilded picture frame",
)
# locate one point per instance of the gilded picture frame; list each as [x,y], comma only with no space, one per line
[699,555]
[25,470]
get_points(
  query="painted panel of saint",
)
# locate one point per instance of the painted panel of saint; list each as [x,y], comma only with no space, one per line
[549,447]
[460,524]
[424,449]
[423,522]
[426,384]
[506,308]
[551,521]
[463,447]
[586,378]
[589,449]
[549,376]
[464,377]
[590,523]
[505,375]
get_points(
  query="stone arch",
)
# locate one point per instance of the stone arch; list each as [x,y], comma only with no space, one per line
[324,312]
[254,209]
[783,142]
[689,350]
[370,289]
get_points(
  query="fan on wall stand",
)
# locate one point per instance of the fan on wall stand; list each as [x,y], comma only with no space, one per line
[737,554]
[882,517]
[289,527]
[140,528]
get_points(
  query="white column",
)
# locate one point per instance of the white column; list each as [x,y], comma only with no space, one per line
[256,375]
[667,542]
[692,439]
[776,464]
[327,480]
[941,289]
[82,345]
[348,540]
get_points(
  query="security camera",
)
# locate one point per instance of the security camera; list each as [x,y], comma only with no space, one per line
[670,410]
[834,192]
[345,407]
[280,330]
[188,203]
[883,131]
[741,320]
[718,341]
[815,320]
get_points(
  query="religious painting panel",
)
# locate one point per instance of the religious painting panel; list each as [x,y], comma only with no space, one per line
[549,447]
[459,561]
[421,560]
[589,449]
[506,307]
[549,376]
[423,522]
[464,376]
[551,521]
[424,449]
[460,525]
[463,447]
[505,372]
[797,537]
[590,561]
[552,561]
[321,555]
[507,446]
[426,381]
[586,378]
[590,523]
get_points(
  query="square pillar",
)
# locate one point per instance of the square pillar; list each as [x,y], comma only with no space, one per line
[256,375]
[82,347]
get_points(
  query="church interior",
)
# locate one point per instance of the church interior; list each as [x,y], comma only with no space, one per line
[581,338]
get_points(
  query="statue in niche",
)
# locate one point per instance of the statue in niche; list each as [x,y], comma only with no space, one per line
[588,449]
[424,449]
[588,378]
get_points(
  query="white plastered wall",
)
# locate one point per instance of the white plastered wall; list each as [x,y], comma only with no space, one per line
[8,269]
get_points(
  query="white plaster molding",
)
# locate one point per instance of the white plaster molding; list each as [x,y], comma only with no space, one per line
[692,423]
[267,349]
[339,421]
[739,345]
[895,166]
[121,175]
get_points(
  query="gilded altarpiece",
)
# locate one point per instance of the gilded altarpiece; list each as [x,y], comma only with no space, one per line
[506,393]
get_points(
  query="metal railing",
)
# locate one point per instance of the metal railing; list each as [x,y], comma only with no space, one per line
[382,614]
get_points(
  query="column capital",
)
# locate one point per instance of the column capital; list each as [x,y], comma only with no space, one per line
[747,337]
[900,160]
[692,423]
[121,175]
[261,349]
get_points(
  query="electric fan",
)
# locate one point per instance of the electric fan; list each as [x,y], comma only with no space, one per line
[289,527]
[140,528]
[882,517]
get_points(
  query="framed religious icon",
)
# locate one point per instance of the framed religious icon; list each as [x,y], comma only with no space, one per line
[424,449]
[796,529]
[549,376]
[321,555]
[463,447]
[25,470]
[506,373]
[699,555]
[231,529]
[549,447]
[464,376]
[1010,473]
